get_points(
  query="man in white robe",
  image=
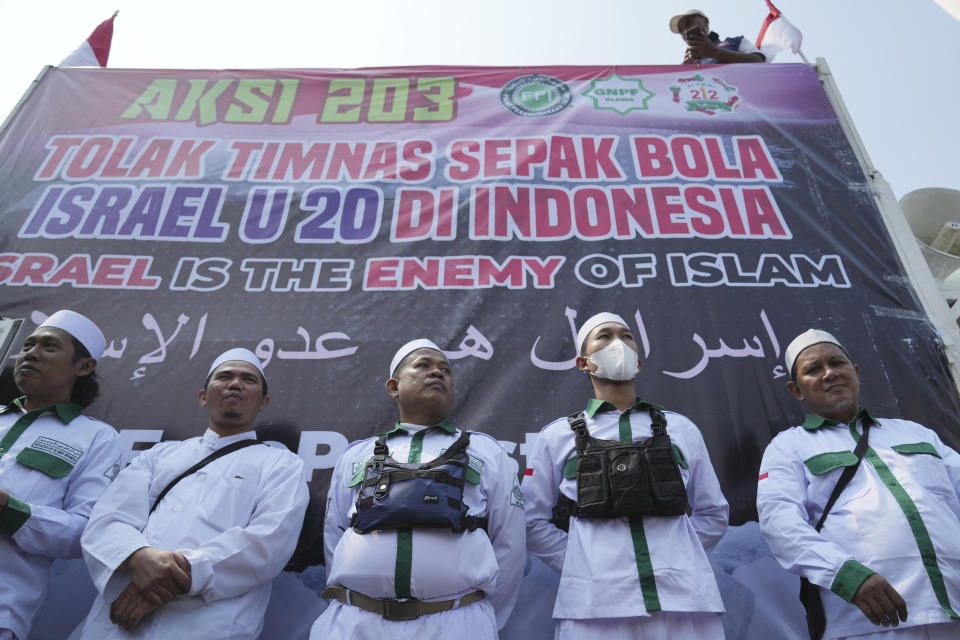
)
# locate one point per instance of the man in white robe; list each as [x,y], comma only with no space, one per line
[54,461]
[199,562]
[411,582]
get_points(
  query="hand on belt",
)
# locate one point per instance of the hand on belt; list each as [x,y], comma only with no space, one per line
[392,609]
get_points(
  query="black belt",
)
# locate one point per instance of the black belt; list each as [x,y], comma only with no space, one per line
[392,609]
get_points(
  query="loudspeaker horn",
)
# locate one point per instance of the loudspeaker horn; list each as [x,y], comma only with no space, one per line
[934,217]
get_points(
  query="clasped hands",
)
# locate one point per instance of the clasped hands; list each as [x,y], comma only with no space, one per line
[158,577]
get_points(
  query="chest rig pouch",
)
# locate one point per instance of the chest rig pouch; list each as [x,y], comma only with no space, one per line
[617,479]
[430,495]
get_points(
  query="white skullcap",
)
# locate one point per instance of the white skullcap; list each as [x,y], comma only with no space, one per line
[593,322]
[240,354]
[407,349]
[81,328]
[806,339]
[675,20]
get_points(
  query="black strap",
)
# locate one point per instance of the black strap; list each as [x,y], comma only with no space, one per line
[219,453]
[658,421]
[809,594]
[381,451]
[578,423]
[847,474]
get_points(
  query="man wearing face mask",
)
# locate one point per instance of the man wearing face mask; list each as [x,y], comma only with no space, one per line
[645,506]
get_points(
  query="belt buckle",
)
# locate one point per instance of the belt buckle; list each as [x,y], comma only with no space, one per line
[400,610]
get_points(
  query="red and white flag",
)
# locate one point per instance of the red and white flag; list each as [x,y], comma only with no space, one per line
[777,34]
[95,50]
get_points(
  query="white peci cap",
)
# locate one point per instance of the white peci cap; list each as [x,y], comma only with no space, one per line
[240,354]
[81,328]
[593,322]
[408,348]
[806,339]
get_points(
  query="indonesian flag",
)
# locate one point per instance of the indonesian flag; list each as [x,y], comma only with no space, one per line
[95,50]
[777,34]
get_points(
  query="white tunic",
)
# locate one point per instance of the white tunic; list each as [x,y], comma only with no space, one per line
[86,452]
[599,561]
[867,530]
[444,565]
[236,521]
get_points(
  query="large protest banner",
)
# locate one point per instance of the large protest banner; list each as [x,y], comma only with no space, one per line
[324,217]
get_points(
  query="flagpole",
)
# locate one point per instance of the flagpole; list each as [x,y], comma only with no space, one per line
[803,57]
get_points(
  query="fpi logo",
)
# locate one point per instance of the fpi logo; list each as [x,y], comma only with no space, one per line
[535,95]
[706,95]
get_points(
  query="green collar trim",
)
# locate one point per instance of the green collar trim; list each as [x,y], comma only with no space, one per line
[814,422]
[66,411]
[595,406]
[444,424]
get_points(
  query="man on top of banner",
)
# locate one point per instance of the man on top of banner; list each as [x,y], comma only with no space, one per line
[705,46]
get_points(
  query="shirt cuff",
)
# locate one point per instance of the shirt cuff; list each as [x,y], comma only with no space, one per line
[13,515]
[201,571]
[849,578]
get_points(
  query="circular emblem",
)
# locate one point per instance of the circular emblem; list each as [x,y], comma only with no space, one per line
[707,95]
[535,95]
[621,467]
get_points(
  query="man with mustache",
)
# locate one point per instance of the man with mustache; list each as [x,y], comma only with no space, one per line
[423,534]
[633,560]
[54,461]
[888,552]
[178,551]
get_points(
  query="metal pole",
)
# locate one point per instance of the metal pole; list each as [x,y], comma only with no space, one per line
[906,245]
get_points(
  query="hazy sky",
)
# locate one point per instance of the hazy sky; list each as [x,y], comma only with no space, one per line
[895,61]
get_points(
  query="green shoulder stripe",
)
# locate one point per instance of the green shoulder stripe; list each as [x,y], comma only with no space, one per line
[678,456]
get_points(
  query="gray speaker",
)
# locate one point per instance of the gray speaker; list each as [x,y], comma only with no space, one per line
[934,217]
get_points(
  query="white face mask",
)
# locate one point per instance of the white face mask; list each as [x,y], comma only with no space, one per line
[616,361]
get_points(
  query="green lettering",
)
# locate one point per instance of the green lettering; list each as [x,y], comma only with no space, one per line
[155,100]
[288,91]
[440,92]
[207,100]
[244,95]
[378,100]
[351,96]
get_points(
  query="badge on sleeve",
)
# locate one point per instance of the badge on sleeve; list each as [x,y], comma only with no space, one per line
[516,496]
[112,471]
